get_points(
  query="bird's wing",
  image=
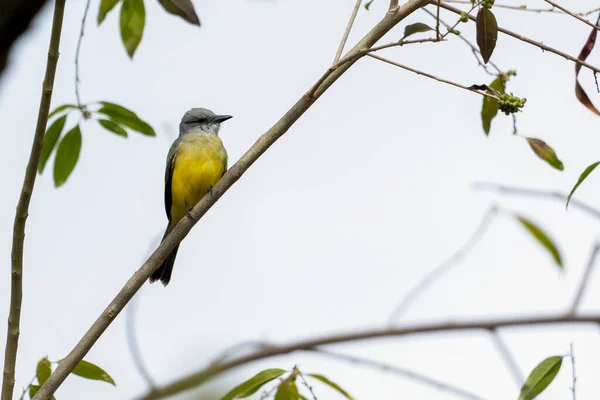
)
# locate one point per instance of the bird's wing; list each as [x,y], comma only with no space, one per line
[169,177]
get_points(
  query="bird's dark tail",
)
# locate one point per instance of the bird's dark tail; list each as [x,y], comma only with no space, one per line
[163,273]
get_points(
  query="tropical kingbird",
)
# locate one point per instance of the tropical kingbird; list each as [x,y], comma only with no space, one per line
[196,161]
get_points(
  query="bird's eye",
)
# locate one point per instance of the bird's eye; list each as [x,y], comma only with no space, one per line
[198,121]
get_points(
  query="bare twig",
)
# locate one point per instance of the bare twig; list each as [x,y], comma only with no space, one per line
[418,72]
[16,296]
[509,360]
[415,376]
[513,190]
[26,388]
[134,349]
[391,19]
[79,41]
[204,375]
[443,268]
[340,50]
[524,39]
[577,17]
[572,357]
[231,351]
[437,21]
[585,278]
[310,389]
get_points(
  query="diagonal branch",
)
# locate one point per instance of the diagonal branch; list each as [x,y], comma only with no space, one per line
[204,375]
[508,358]
[16,294]
[585,278]
[391,19]
[577,17]
[340,50]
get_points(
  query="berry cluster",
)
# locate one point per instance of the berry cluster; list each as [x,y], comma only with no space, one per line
[487,3]
[463,17]
[510,104]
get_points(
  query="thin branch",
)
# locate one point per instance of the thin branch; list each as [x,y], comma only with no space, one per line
[79,41]
[415,376]
[16,296]
[340,50]
[437,21]
[513,190]
[310,389]
[235,349]
[553,9]
[418,72]
[509,360]
[134,348]
[577,17]
[204,375]
[524,39]
[585,278]
[65,367]
[572,357]
[444,267]
[393,5]
[26,388]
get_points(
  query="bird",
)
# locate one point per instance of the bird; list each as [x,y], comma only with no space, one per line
[196,161]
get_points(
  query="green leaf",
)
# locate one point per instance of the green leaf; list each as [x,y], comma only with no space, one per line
[540,377]
[123,116]
[332,385]
[182,8]
[543,238]
[105,7]
[487,33]
[43,371]
[490,106]
[133,18]
[367,5]
[90,371]
[287,390]
[545,152]
[61,108]
[415,28]
[33,389]
[67,155]
[253,384]
[50,139]
[582,177]
[113,127]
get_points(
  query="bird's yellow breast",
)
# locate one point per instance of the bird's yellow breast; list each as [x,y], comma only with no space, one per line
[200,162]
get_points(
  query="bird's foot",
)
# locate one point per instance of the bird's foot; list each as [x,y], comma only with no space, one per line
[188,212]
[210,188]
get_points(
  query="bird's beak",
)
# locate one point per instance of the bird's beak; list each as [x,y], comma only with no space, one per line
[221,118]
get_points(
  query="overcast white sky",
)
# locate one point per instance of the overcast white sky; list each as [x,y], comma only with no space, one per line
[368,192]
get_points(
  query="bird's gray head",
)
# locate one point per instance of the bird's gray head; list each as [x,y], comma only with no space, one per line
[201,121]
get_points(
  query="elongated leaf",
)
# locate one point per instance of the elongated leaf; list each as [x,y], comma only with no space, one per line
[90,371]
[545,152]
[67,155]
[368,4]
[487,33]
[583,55]
[253,384]
[582,177]
[128,118]
[43,371]
[332,385]
[105,7]
[50,139]
[543,238]
[416,28]
[287,390]
[113,127]
[33,389]
[540,378]
[133,19]
[182,8]
[489,109]
[61,108]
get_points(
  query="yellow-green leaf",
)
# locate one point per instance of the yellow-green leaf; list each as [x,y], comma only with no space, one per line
[43,371]
[287,390]
[489,109]
[133,19]
[487,33]
[332,385]
[67,155]
[90,371]
[105,7]
[60,109]
[112,127]
[582,177]
[50,139]
[540,378]
[545,152]
[368,4]
[415,28]
[543,239]
[253,384]
[126,117]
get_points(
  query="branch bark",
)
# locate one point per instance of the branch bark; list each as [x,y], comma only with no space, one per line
[205,375]
[340,50]
[14,316]
[391,19]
